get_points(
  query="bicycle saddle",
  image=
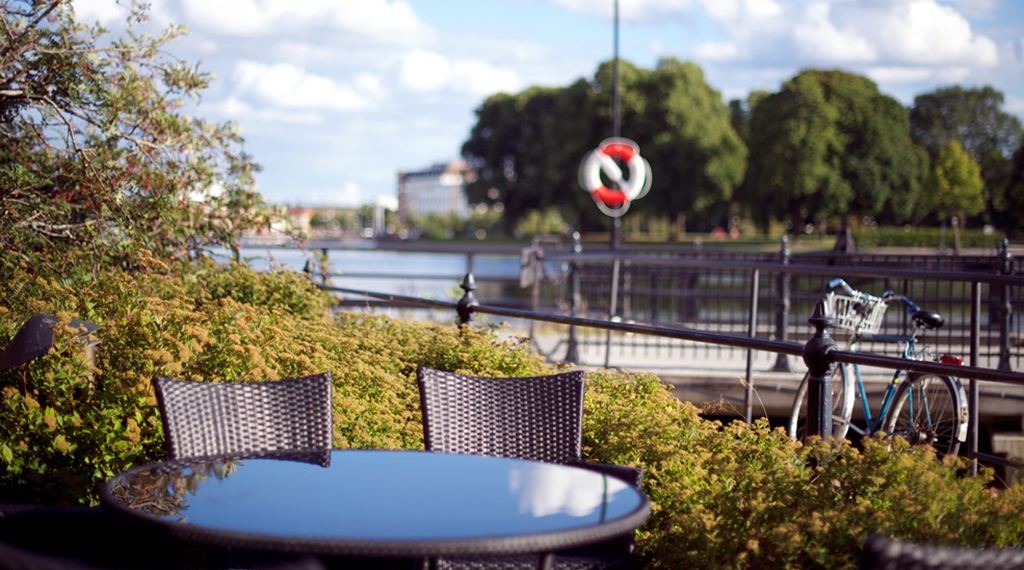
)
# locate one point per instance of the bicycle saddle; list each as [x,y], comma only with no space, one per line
[927,319]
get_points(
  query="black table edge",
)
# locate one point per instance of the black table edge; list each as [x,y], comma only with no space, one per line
[391,548]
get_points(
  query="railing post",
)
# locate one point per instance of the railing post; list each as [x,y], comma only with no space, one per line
[468,302]
[817,355]
[1005,307]
[973,397]
[782,308]
[325,262]
[748,396]
[612,309]
[571,345]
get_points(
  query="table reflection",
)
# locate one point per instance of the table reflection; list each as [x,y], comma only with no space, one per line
[545,490]
[376,495]
[164,493]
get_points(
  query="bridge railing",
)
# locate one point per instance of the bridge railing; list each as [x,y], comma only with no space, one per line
[818,356]
[716,290]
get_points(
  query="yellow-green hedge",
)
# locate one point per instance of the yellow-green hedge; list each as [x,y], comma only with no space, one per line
[722,496]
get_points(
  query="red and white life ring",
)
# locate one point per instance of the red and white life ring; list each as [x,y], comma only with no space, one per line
[615,201]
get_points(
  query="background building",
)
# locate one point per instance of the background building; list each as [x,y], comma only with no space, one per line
[436,190]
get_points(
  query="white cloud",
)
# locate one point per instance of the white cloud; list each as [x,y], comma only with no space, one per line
[909,74]
[103,11]
[717,51]
[884,34]
[350,195]
[384,21]
[953,74]
[978,8]
[737,10]
[761,9]
[238,111]
[818,39]
[424,71]
[924,32]
[479,78]
[628,9]
[290,87]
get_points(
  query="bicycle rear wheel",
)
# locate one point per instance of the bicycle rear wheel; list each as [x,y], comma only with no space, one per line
[842,405]
[929,410]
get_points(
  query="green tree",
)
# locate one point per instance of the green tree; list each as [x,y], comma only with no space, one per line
[97,153]
[1014,190]
[793,142]
[528,147]
[975,118]
[955,187]
[830,144]
[685,131]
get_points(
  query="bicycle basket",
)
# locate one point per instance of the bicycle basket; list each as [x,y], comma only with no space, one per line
[846,316]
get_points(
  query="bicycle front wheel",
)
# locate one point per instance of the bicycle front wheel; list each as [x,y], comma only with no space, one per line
[929,410]
[842,405]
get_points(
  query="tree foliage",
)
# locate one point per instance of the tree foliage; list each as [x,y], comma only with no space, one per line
[975,119]
[830,144]
[528,146]
[972,117]
[97,151]
[685,131]
[955,184]
[1015,189]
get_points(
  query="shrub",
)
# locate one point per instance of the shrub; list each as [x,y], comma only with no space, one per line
[747,496]
[67,427]
[722,496]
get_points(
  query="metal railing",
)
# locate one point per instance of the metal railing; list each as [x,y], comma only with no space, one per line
[819,355]
[728,291]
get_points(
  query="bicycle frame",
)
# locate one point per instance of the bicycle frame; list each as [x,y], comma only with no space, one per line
[872,425]
[862,314]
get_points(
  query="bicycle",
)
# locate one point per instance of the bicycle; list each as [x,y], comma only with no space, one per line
[923,407]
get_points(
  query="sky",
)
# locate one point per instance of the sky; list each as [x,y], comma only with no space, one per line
[336,97]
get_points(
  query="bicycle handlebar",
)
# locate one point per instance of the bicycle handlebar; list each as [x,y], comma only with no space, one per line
[887,296]
[839,283]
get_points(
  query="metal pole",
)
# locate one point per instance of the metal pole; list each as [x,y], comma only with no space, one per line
[616,221]
[613,307]
[615,77]
[817,356]
[972,399]
[535,273]
[616,122]
[1005,308]
[782,309]
[748,398]
[571,349]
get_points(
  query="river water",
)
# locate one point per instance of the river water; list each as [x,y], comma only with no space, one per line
[415,274]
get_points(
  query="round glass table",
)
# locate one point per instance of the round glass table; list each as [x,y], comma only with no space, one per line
[379,503]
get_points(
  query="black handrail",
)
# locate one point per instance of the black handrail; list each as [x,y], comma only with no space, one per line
[820,357]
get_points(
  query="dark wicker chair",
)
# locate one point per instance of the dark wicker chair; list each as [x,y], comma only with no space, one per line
[881,553]
[538,418]
[289,418]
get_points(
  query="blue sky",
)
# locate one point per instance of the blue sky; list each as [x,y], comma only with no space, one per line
[335,97]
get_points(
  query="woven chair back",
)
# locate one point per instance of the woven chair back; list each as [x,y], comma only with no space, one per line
[202,419]
[537,418]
